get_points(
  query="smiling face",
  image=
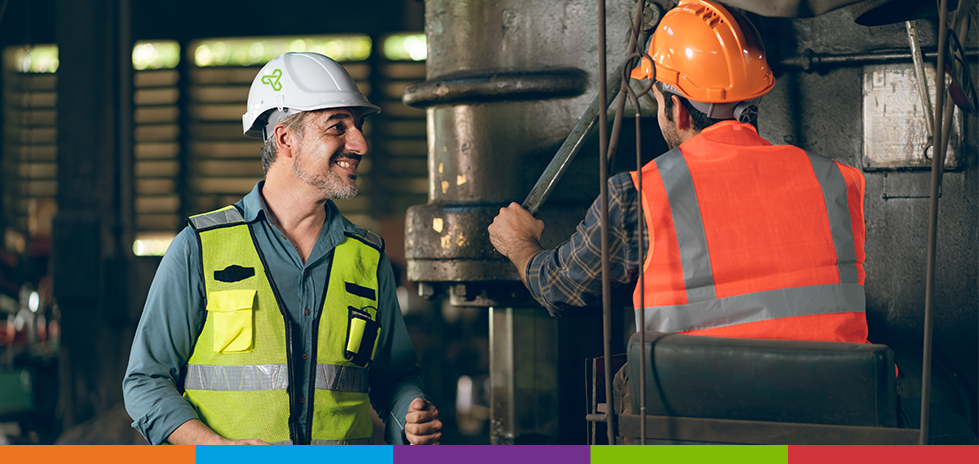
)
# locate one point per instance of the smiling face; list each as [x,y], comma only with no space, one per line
[331,149]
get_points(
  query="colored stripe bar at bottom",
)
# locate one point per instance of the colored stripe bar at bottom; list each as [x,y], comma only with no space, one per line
[98,454]
[686,454]
[294,454]
[488,454]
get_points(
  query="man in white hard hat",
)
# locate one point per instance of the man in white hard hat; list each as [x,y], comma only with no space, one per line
[275,320]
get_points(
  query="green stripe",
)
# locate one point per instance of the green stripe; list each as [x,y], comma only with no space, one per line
[716,454]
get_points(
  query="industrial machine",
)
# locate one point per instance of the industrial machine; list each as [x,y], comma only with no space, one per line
[848,80]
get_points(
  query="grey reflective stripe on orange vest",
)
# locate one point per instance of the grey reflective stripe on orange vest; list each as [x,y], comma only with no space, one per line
[688,226]
[754,307]
[838,210]
[358,441]
[237,378]
[216,218]
[342,378]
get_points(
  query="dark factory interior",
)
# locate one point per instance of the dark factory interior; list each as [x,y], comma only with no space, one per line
[121,119]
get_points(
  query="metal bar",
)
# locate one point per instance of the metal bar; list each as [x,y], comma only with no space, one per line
[603,178]
[690,429]
[642,282]
[571,146]
[937,166]
[919,71]
[809,61]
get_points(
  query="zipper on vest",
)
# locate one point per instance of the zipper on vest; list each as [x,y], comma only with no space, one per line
[314,351]
[293,402]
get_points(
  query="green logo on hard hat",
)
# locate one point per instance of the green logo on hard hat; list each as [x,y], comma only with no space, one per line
[273,79]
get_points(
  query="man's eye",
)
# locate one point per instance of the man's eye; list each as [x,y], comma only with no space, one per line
[337,128]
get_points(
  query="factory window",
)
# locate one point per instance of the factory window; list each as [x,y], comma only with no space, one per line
[28,168]
[156,149]
[403,177]
[406,47]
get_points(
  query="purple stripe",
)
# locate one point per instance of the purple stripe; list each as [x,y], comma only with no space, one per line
[486,454]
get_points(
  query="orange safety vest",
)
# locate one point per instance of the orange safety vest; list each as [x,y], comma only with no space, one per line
[752,240]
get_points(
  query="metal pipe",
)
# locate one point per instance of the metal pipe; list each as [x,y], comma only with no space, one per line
[603,178]
[810,61]
[919,71]
[937,165]
[642,280]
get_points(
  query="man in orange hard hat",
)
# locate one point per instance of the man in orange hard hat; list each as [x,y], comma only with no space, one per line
[737,227]
[743,238]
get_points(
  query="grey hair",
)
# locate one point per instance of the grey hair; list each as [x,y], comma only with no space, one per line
[296,122]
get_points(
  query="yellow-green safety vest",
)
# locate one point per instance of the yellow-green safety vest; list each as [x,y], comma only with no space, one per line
[239,377]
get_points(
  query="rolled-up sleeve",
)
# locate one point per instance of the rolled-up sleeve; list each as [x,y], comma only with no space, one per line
[571,274]
[396,378]
[164,341]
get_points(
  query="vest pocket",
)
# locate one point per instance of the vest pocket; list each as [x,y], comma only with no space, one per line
[231,314]
[361,335]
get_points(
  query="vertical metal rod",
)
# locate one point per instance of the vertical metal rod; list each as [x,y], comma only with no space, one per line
[634,42]
[642,289]
[603,186]
[919,71]
[937,165]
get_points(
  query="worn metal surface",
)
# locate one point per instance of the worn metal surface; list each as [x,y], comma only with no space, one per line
[494,123]
[484,155]
[523,375]
[895,132]
[824,114]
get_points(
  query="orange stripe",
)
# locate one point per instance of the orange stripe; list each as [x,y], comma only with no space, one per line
[101,454]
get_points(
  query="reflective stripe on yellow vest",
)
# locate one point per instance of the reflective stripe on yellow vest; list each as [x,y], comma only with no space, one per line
[238,377]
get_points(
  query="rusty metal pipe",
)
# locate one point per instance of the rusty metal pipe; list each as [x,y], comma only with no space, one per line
[937,167]
[603,186]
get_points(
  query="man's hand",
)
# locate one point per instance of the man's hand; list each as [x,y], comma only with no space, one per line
[422,424]
[194,432]
[515,233]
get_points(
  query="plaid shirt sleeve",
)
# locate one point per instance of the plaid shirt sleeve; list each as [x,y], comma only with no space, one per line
[571,274]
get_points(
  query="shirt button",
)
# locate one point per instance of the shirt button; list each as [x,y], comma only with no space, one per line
[304,356]
[307,312]
[302,400]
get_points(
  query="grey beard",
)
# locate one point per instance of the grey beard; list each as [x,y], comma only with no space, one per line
[330,185]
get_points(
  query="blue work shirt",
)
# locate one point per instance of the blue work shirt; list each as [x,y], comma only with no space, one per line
[174,316]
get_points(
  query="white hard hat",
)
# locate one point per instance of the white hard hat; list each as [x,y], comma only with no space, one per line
[294,82]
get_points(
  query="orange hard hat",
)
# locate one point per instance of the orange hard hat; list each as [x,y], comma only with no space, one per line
[708,53]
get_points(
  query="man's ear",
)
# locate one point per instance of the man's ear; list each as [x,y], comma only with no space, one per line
[285,141]
[680,114]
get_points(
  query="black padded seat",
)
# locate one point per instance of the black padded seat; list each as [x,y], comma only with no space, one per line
[765,380]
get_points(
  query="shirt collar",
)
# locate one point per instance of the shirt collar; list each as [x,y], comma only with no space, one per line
[331,235]
[253,204]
